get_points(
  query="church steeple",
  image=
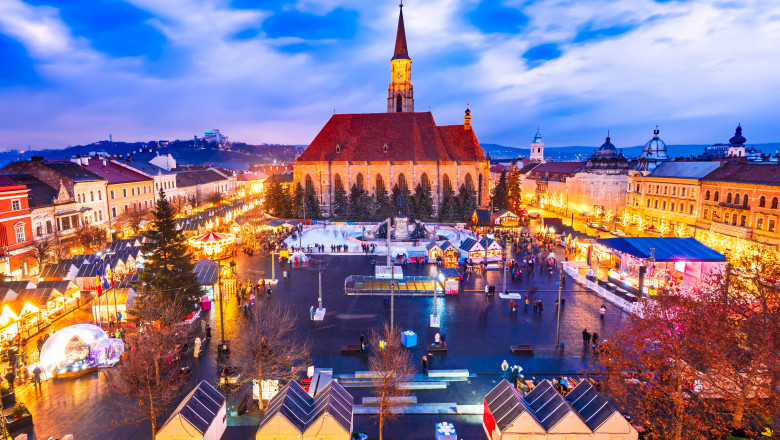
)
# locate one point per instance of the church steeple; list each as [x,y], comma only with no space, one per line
[401,51]
[400,95]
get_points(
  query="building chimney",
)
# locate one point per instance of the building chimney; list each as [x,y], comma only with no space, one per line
[104,162]
[85,160]
[467,119]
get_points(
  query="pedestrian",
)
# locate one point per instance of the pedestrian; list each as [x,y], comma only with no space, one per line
[39,344]
[585,337]
[526,302]
[208,330]
[425,364]
[595,339]
[602,311]
[311,312]
[362,342]
[541,307]
[487,290]
[37,377]
[269,291]
[536,305]
[563,303]
[10,376]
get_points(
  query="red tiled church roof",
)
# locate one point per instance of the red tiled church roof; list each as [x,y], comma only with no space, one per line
[408,136]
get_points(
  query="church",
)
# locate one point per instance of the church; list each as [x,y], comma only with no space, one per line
[399,147]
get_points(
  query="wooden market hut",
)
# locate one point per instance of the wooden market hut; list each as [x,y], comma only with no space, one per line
[113,301]
[505,217]
[64,270]
[544,413]
[472,249]
[434,251]
[293,414]
[450,254]
[200,416]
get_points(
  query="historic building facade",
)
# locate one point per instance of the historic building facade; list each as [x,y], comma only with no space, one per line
[740,203]
[400,147]
[667,199]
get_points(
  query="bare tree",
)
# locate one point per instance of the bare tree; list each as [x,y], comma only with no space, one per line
[194,199]
[132,218]
[43,250]
[155,365]
[269,348]
[391,365]
[178,203]
[91,238]
[215,198]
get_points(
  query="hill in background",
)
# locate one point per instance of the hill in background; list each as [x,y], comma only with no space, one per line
[581,153]
[188,152]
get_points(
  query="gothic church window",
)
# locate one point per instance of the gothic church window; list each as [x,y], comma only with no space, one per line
[469,183]
[359,181]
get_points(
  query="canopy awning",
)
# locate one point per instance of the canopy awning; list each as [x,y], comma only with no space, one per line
[665,248]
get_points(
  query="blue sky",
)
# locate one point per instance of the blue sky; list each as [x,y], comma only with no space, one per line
[275,70]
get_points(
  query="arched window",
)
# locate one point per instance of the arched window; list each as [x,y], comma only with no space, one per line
[737,199]
[469,183]
[762,202]
[716,197]
[426,184]
[663,206]
[380,184]
[402,180]
[707,195]
[359,181]
[337,183]
[673,206]
[398,103]
[92,196]
[774,203]
[728,198]
[760,223]
[648,203]
[690,209]
[734,219]
[308,184]
[745,201]
[445,182]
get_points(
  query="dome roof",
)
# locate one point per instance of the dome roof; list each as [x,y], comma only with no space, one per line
[655,148]
[738,139]
[607,149]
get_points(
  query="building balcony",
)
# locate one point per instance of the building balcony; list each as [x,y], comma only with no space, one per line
[733,230]
[734,206]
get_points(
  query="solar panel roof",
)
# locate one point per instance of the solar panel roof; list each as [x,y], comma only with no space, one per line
[201,406]
[301,410]
[505,404]
[548,405]
[594,408]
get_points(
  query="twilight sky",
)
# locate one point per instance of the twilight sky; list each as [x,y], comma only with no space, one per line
[273,71]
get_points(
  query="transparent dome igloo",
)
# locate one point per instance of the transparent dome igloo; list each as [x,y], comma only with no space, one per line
[79,347]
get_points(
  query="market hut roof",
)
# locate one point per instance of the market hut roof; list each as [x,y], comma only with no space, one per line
[200,407]
[301,410]
[208,272]
[665,248]
[56,270]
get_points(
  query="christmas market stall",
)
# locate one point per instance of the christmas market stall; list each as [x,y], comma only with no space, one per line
[214,245]
[200,416]
[293,414]
[645,264]
[77,350]
[545,413]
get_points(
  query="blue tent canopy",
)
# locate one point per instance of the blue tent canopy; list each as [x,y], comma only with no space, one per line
[666,248]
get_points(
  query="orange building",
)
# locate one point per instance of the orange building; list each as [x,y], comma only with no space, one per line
[16,253]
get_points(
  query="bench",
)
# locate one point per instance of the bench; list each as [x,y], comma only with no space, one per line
[351,349]
[395,401]
[437,349]
[521,349]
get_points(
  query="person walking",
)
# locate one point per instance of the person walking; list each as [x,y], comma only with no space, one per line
[10,376]
[541,307]
[585,337]
[425,364]
[602,311]
[536,305]
[37,377]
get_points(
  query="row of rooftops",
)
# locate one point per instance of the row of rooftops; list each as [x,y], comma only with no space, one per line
[715,171]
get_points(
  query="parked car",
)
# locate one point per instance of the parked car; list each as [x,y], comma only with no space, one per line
[593,225]
[618,232]
[604,228]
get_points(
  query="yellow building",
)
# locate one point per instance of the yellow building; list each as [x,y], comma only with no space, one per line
[377,151]
[666,199]
[128,190]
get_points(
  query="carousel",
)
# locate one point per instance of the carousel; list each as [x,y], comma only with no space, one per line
[214,245]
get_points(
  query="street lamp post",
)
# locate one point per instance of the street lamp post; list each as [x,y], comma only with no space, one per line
[558,318]
[434,320]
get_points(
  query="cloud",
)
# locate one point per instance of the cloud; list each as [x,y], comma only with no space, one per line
[274,71]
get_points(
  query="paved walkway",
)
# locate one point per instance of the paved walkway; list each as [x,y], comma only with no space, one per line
[478,334]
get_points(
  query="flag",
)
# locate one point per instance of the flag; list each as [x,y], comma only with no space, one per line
[102,274]
[98,286]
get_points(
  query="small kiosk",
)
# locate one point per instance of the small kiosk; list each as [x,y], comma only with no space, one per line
[200,416]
